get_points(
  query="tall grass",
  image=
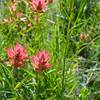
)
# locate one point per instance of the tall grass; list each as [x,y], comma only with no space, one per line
[75,71]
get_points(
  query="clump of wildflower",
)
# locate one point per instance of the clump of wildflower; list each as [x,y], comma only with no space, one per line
[17,55]
[38,5]
[41,61]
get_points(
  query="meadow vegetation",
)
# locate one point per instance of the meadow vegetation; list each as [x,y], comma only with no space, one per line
[49,50]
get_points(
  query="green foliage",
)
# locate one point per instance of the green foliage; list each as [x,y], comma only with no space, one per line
[75,71]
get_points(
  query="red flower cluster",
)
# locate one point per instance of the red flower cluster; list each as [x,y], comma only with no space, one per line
[17,55]
[41,61]
[38,5]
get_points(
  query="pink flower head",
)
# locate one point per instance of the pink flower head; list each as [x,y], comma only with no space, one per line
[19,14]
[38,5]
[17,55]
[41,61]
[12,7]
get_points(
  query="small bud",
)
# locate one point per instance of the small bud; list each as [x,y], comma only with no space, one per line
[83,36]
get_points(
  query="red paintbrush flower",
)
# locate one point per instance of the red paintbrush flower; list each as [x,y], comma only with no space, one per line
[38,5]
[17,55]
[41,61]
